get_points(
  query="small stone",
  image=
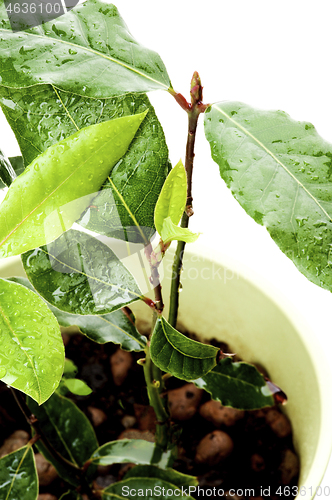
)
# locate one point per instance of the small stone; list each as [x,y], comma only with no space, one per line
[137,434]
[146,417]
[183,402]
[98,416]
[219,415]
[121,362]
[46,496]
[128,421]
[289,467]
[214,448]
[231,495]
[14,442]
[257,463]
[46,472]
[278,423]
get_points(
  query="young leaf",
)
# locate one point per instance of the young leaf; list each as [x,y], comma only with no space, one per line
[171,476]
[18,475]
[175,353]
[59,184]
[114,327]
[64,51]
[143,487]
[81,275]
[7,173]
[136,451]
[65,425]
[77,386]
[279,170]
[170,206]
[32,352]
[171,232]
[70,369]
[126,202]
[239,385]
[172,199]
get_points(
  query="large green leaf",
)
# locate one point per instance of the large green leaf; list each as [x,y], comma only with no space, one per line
[280,171]
[136,451]
[175,353]
[239,385]
[81,275]
[146,489]
[127,200]
[18,475]
[69,432]
[115,327]
[88,51]
[59,184]
[31,352]
[169,475]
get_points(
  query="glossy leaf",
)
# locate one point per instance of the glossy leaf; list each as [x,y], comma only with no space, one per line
[171,476]
[89,51]
[59,184]
[144,487]
[239,385]
[7,173]
[65,426]
[80,275]
[137,451]
[18,475]
[171,232]
[279,170]
[126,203]
[172,199]
[114,327]
[175,353]
[31,352]
[76,386]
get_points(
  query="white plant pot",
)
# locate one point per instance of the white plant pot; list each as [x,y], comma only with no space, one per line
[221,299]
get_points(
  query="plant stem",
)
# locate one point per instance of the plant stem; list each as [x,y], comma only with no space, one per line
[153,387]
[194,109]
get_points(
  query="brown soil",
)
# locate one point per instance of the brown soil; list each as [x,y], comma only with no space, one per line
[225,448]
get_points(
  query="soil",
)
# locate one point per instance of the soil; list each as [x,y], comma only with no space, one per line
[227,449]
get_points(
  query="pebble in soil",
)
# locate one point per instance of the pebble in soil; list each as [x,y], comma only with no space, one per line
[225,448]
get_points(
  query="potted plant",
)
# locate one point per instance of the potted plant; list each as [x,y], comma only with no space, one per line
[109,138]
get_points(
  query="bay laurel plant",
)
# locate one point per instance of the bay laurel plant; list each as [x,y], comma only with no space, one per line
[73,91]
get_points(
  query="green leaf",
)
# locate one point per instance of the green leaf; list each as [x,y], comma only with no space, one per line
[137,451]
[89,51]
[124,207]
[239,385]
[68,430]
[7,173]
[18,475]
[77,386]
[175,353]
[280,171]
[172,199]
[146,488]
[59,184]
[81,275]
[70,369]
[169,475]
[115,327]
[171,232]
[32,352]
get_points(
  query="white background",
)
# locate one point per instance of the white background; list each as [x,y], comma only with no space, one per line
[272,55]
